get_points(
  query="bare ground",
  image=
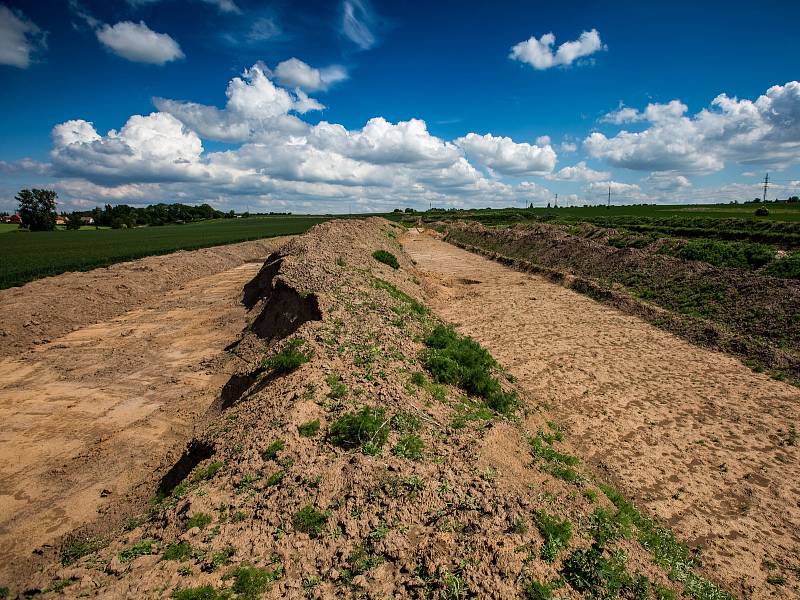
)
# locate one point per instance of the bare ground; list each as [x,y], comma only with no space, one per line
[695,437]
[89,417]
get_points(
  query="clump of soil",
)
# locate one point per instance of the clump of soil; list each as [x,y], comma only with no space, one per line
[349,472]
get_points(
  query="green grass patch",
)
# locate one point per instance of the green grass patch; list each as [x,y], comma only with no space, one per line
[179,551]
[310,520]
[203,592]
[367,429]
[250,583]
[309,428]
[386,258]
[409,446]
[556,534]
[454,359]
[336,387]
[77,549]
[142,548]
[31,255]
[271,453]
[558,464]
[288,359]
[204,473]
[200,519]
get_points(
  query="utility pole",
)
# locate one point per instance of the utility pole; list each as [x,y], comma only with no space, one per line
[609,196]
[766,183]
[556,202]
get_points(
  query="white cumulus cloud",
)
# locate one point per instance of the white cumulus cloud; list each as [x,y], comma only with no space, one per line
[764,131]
[295,73]
[20,38]
[579,172]
[138,43]
[539,53]
[504,155]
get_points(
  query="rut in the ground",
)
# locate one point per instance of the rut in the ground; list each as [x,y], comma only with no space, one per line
[697,438]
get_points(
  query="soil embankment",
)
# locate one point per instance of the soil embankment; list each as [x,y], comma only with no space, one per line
[43,310]
[694,436]
[90,415]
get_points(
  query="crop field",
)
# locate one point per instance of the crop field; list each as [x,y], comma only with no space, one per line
[27,256]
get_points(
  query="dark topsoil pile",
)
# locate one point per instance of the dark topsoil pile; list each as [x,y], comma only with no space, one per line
[436,496]
[754,316]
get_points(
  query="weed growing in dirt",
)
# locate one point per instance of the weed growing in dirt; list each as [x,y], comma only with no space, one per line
[310,520]
[246,483]
[288,359]
[386,258]
[338,389]
[139,549]
[367,429]
[203,592]
[605,527]
[519,526]
[459,360]
[405,422]
[250,582]
[538,591]
[309,428]
[275,478]
[200,519]
[271,453]
[667,551]
[407,306]
[452,586]
[556,534]
[222,557]
[58,586]
[409,446]
[179,551]
[588,571]
[360,560]
[4,592]
[469,410]
[202,474]
[77,549]
[556,463]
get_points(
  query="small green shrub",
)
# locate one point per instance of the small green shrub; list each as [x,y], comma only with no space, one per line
[538,591]
[556,534]
[368,426]
[386,258]
[338,389]
[762,212]
[605,527]
[222,557]
[787,267]
[459,360]
[288,359]
[251,582]
[310,520]
[139,549]
[309,429]
[200,519]
[405,422]
[180,551]
[275,478]
[271,453]
[409,446]
[203,592]
[202,474]
[77,549]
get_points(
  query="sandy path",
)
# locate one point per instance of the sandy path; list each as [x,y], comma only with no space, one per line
[691,435]
[88,418]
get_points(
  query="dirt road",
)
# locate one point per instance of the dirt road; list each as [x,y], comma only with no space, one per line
[693,436]
[88,418]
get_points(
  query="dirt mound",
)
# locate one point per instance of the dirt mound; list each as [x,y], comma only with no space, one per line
[341,469]
[47,308]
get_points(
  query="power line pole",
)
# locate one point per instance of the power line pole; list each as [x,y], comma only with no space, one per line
[766,183]
[556,202]
[609,196]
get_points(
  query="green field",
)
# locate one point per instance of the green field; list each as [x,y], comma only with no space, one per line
[25,256]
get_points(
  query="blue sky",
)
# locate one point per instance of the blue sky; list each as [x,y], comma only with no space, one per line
[383,104]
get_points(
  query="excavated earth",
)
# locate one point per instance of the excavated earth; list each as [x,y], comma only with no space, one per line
[193,416]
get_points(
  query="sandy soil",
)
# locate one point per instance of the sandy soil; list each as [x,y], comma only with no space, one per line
[695,437]
[42,310]
[90,417]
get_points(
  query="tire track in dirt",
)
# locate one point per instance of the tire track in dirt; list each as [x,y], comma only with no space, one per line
[91,418]
[693,436]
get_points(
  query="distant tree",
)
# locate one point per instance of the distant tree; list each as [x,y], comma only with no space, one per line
[409,210]
[74,221]
[37,208]
[397,210]
[548,205]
